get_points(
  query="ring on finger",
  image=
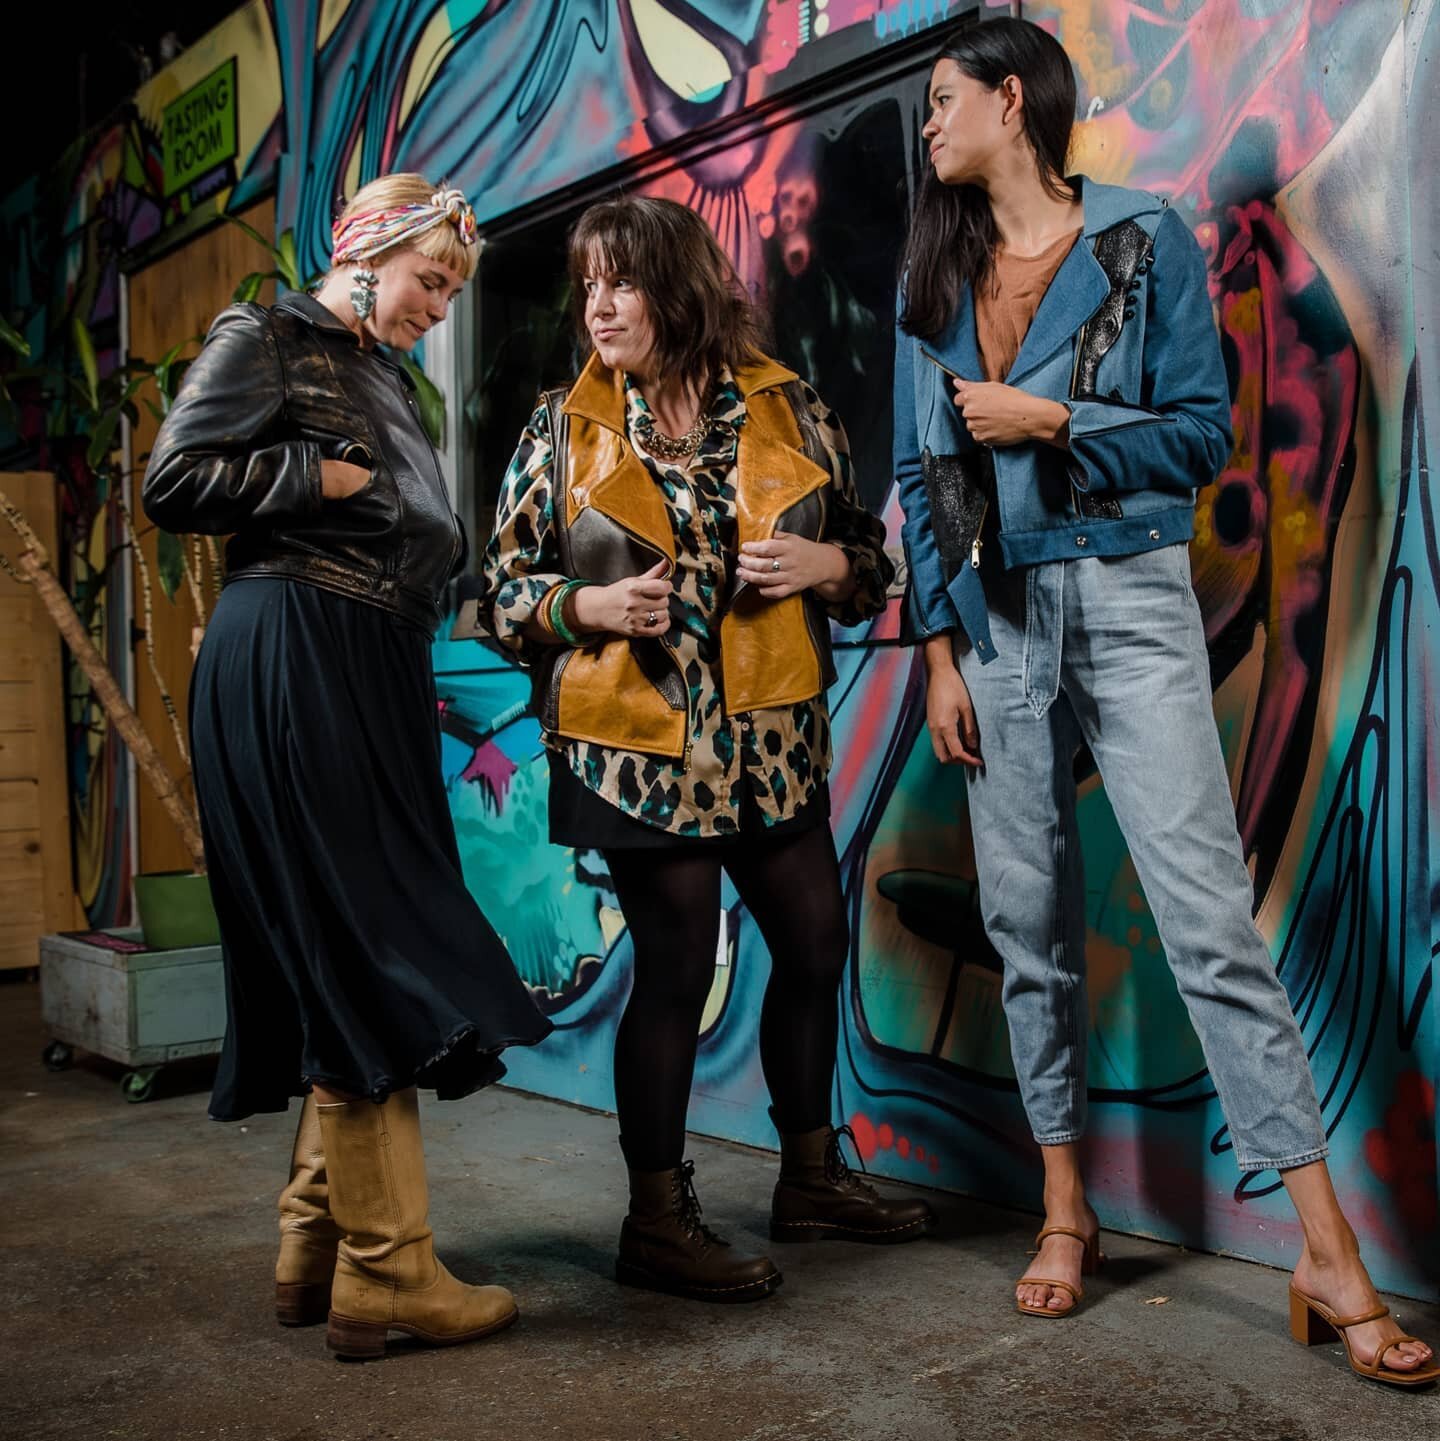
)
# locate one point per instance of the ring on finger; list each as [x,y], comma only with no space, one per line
[650,617]
[775,564]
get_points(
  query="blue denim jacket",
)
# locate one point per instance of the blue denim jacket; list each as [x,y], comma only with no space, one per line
[1153,428]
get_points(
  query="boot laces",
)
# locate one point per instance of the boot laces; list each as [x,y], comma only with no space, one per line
[690,1209]
[837,1171]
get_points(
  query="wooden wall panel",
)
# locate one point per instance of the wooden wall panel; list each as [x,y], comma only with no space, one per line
[175,298]
[36,889]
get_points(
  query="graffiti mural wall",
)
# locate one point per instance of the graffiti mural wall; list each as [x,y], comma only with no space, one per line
[1289,133]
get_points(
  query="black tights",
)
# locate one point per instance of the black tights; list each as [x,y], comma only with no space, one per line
[671,901]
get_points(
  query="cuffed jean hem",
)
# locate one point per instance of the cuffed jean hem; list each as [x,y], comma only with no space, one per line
[1061,1138]
[1285,1163]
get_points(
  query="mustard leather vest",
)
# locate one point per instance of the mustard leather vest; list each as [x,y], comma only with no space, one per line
[612,523]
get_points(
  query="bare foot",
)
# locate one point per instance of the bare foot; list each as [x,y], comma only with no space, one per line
[1058,1259]
[1345,1287]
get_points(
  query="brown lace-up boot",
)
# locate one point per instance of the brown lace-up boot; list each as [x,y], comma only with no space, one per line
[387,1277]
[308,1233]
[819,1198]
[664,1246]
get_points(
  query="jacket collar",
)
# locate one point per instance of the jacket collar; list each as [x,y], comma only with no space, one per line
[310,310]
[1079,286]
[599,394]
[1107,205]
[320,317]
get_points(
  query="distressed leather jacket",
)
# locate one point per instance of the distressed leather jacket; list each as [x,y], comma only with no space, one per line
[273,393]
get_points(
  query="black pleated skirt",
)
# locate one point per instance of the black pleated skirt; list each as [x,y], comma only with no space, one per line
[354,954]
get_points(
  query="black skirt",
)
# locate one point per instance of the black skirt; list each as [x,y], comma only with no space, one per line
[580,818]
[354,955]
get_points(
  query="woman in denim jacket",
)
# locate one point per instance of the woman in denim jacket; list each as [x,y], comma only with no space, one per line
[1059,397]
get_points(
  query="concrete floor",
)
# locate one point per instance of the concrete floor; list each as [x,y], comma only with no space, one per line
[138,1245]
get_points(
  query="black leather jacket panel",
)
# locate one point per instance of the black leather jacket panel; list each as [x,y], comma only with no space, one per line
[273,393]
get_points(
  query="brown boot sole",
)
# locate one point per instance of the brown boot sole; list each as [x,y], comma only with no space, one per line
[353,1340]
[799,1231]
[629,1274]
[301,1303]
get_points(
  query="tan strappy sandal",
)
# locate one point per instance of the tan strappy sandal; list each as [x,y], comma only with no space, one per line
[1089,1265]
[1312,1323]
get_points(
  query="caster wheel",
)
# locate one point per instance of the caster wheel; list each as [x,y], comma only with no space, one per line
[137,1086]
[57,1056]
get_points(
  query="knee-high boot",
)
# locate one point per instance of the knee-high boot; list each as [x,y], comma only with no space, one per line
[308,1233]
[388,1277]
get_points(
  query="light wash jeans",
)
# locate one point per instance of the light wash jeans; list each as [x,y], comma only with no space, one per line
[1112,651]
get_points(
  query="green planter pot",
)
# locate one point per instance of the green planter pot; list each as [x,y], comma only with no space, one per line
[176,910]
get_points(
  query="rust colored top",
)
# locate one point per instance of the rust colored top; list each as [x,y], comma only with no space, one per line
[1006,302]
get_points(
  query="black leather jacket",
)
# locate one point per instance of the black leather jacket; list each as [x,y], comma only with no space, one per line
[272,394]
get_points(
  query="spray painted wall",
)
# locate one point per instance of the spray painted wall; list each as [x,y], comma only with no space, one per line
[1288,132]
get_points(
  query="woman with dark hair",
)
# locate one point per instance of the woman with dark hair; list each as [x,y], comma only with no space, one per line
[1059,397]
[357,965]
[672,539]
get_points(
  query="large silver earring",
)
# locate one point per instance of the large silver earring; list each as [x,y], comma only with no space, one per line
[362,292]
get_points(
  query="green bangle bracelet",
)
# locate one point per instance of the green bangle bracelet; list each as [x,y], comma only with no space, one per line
[557,612]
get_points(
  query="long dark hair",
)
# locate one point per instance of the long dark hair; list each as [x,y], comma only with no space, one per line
[700,313]
[952,233]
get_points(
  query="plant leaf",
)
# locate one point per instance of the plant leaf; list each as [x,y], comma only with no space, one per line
[430,400]
[85,348]
[249,288]
[170,562]
[289,261]
[102,438]
[13,338]
[255,235]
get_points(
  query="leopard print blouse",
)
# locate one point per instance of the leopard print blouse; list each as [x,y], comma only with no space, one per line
[782,754]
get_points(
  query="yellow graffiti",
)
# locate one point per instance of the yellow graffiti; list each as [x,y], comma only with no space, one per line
[687,62]
[331,14]
[436,41]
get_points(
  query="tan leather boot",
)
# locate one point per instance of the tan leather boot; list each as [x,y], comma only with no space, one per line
[819,1198]
[308,1233]
[387,1277]
[665,1247]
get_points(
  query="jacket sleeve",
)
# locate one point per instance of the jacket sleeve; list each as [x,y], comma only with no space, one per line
[860,535]
[217,465]
[927,608]
[521,564]
[1179,435]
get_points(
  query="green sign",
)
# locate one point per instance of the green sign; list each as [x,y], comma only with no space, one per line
[200,129]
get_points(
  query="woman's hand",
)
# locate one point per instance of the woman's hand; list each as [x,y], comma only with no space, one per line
[636,606]
[1004,415]
[339,479]
[949,711]
[787,564]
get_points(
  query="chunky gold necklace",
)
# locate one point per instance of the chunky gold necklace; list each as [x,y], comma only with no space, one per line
[672,447]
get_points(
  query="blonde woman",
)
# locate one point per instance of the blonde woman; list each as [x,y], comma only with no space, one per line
[357,965]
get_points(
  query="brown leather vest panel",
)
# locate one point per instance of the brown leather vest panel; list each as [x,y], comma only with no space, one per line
[607,698]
